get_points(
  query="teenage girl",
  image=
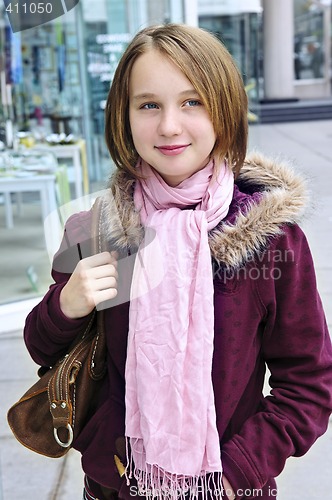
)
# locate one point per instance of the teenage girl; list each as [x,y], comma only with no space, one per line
[221,285]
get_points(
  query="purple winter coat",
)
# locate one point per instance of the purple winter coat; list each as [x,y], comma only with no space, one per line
[267,314]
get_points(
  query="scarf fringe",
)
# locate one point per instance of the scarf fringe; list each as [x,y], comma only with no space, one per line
[155,482]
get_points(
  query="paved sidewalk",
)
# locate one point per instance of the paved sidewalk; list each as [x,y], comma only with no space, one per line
[24,474]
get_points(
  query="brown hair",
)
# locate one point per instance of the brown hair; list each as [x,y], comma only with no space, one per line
[209,67]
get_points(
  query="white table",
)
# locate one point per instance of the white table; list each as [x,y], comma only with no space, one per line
[45,184]
[77,153]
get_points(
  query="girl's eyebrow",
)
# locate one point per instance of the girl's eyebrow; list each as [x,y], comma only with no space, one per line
[147,95]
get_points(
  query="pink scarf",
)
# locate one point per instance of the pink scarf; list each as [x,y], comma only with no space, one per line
[170,411]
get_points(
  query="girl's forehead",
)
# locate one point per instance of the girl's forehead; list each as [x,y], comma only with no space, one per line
[155,67]
[154,56]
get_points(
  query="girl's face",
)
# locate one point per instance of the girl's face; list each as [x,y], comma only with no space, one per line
[171,128]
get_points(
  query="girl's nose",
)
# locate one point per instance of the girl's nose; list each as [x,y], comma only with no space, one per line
[170,123]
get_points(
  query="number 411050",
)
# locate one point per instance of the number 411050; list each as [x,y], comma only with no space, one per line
[29,8]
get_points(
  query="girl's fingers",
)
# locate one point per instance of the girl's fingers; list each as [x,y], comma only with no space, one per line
[105,283]
[99,259]
[105,271]
[104,295]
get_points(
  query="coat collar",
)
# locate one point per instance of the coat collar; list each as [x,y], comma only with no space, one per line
[268,195]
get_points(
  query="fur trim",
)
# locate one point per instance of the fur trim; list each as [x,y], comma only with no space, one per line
[283,200]
[120,220]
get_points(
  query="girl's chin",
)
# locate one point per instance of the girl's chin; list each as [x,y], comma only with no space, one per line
[174,180]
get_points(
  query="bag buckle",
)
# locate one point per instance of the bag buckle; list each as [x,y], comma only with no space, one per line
[70,436]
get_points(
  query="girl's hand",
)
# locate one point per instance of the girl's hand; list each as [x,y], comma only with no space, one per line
[228,488]
[93,281]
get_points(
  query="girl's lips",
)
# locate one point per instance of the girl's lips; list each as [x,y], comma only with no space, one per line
[172,150]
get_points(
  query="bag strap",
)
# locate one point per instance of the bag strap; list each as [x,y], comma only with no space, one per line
[98,243]
[97,362]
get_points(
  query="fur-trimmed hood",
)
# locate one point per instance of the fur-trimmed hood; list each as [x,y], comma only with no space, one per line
[268,195]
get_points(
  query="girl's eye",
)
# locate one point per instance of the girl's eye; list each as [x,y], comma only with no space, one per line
[149,105]
[193,102]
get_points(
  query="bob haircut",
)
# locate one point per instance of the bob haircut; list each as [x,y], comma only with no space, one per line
[209,67]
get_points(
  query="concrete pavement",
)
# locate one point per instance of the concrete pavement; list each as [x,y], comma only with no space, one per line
[27,475]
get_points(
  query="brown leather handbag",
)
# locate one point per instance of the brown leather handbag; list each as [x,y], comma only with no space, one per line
[51,414]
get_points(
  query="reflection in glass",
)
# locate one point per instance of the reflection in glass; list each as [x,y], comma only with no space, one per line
[308,40]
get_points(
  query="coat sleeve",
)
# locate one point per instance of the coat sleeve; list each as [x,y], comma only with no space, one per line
[296,347]
[48,332]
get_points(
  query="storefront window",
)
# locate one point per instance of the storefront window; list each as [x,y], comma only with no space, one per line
[105,42]
[42,71]
[240,34]
[308,40]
